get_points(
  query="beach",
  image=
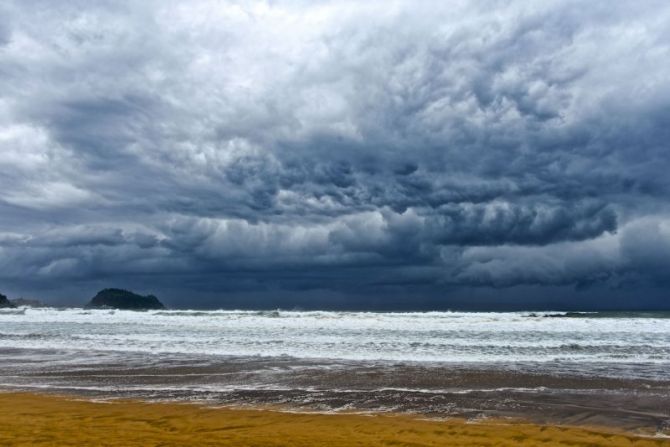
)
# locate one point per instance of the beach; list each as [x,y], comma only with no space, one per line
[470,392]
[304,378]
[40,420]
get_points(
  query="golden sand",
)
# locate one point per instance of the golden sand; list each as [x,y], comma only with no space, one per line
[46,420]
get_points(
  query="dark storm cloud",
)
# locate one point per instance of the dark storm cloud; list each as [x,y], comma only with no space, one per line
[334,148]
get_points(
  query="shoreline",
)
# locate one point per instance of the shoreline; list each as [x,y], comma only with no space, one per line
[470,392]
[50,419]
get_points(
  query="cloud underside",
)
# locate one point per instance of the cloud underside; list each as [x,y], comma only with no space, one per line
[334,145]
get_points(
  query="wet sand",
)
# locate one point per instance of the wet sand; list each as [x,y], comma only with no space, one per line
[41,420]
[543,395]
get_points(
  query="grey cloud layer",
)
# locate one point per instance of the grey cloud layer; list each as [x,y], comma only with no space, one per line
[478,145]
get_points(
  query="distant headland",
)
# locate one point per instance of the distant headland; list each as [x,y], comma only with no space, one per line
[123,299]
[4,302]
[105,299]
[19,302]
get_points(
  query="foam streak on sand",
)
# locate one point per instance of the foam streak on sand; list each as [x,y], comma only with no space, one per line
[34,420]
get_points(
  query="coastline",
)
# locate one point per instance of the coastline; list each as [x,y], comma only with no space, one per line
[469,392]
[500,371]
[41,419]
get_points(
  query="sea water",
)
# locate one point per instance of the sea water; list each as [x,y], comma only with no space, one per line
[453,337]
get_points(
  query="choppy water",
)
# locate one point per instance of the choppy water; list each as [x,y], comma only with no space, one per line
[606,368]
[453,337]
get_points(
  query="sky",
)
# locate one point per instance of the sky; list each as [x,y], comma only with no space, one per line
[332,154]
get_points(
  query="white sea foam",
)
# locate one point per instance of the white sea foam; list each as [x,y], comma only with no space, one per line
[432,336]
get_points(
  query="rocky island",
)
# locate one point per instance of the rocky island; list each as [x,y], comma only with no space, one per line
[123,299]
[4,302]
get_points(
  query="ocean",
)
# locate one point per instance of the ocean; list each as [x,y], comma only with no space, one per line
[470,364]
[573,338]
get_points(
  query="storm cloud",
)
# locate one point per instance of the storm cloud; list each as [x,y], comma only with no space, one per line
[316,154]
